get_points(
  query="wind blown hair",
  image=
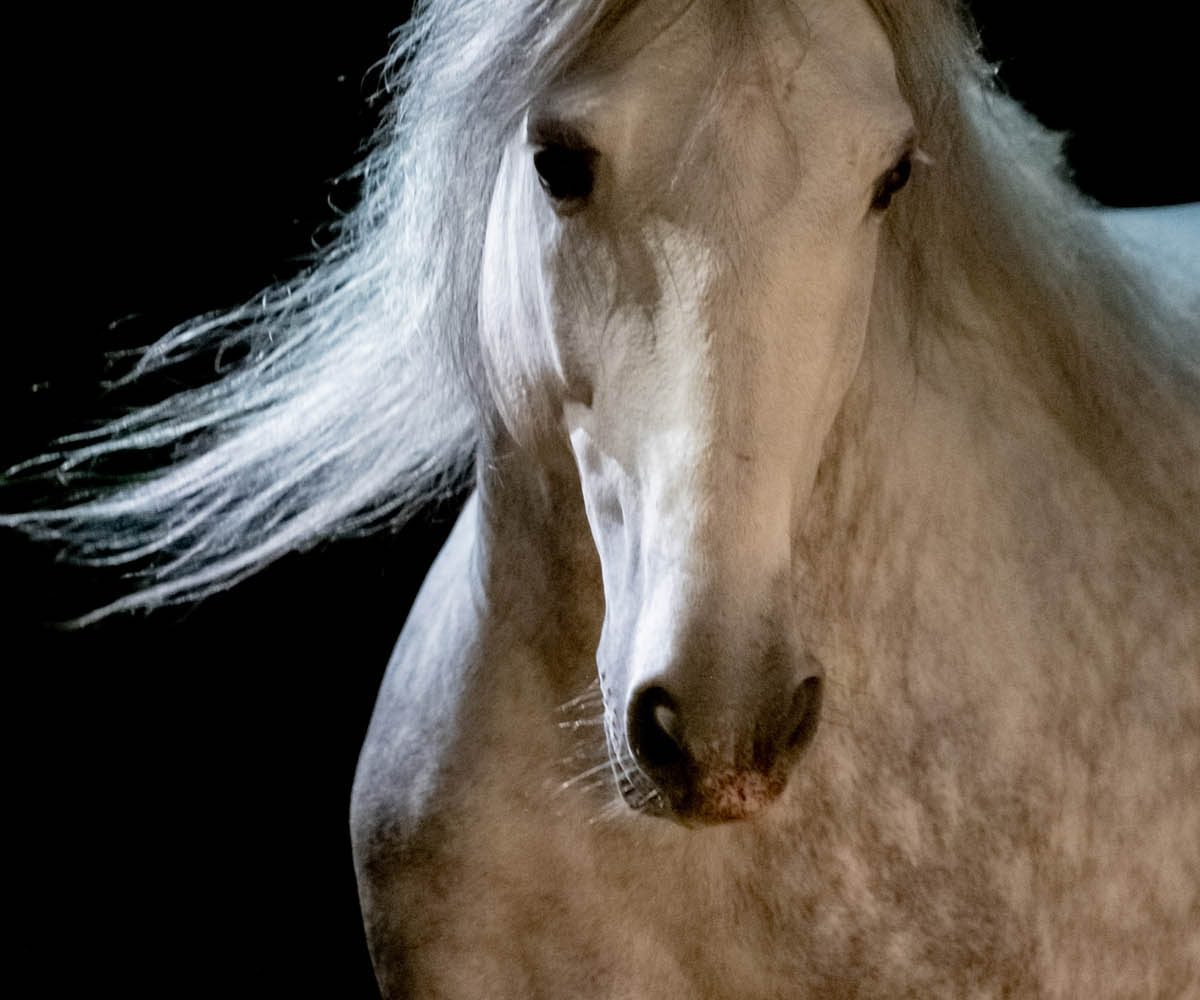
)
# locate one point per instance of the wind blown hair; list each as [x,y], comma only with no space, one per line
[361,396]
[356,402]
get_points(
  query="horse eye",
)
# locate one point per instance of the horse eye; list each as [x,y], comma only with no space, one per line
[565,173]
[892,183]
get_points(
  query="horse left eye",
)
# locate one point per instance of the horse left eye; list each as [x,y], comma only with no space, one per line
[891,184]
[565,172]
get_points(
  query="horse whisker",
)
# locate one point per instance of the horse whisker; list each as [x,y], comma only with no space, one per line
[590,772]
[580,723]
[591,695]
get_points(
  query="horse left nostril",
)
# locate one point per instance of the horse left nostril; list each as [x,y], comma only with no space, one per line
[804,712]
[654,733]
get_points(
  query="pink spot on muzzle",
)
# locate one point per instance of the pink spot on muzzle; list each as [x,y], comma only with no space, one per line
[728,795]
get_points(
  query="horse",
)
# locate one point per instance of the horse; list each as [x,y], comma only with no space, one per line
[823,618]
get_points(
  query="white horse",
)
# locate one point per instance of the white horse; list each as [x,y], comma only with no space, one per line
[825,620]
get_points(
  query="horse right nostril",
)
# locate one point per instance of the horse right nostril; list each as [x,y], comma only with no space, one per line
[804,713]
[655,736]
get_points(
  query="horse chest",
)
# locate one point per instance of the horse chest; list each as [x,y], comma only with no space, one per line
[525,884]
[896,862]
[932,842]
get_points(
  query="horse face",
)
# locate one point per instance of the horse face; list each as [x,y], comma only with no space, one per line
[679,264]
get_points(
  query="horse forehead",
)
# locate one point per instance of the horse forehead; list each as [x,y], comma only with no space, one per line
[847,36]
[663,49]
[721,109]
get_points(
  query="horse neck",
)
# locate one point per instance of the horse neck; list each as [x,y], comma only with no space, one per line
[539,570]
[960,530]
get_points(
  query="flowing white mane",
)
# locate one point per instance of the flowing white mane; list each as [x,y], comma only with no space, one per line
[360,397]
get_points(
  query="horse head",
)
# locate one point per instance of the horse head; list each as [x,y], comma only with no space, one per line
[678,273]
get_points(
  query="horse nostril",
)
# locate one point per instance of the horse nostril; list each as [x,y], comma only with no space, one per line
[654,732]
[804,712]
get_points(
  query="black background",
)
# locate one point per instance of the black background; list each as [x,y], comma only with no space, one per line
[178,783]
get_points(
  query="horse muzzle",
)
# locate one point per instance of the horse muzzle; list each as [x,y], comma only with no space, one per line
[709,764]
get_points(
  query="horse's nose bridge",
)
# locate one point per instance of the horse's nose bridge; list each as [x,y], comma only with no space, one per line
[714,551]
[722,644]
[734,634]
[723,519]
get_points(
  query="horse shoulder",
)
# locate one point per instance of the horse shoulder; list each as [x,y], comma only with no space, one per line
[439,817]
[405,769]
[416,711]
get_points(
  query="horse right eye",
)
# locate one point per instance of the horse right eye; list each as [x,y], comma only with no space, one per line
[566,174]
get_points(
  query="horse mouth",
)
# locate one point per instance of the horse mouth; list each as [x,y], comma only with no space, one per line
[717,799]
